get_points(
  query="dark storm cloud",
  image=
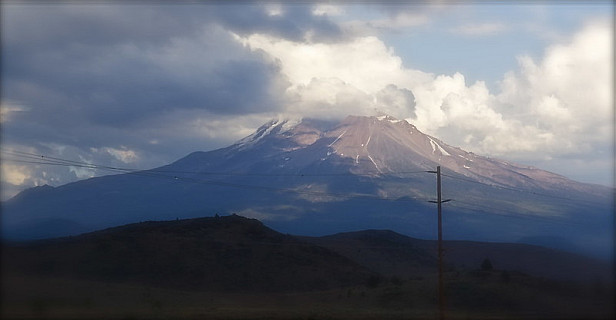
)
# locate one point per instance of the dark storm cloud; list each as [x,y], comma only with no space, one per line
[32,26]
[117,64]
[129,89]
[292,24]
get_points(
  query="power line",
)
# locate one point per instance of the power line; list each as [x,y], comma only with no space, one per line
[33,158]
[517,189]
[482,210]
[61,161]
[155,173]
[69,163]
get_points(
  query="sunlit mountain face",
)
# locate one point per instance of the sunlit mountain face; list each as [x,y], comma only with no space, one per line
[312,177]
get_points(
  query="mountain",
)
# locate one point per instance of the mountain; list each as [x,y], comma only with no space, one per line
[315,177]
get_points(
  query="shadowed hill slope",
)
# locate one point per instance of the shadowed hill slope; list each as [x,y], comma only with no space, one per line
[393,254]
[234,253]
[229,253]
[236,268]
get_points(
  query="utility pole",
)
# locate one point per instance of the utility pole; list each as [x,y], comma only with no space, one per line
[441,285]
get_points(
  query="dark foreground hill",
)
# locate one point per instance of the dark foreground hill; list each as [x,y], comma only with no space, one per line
[236,268]
[390,253]
[229,253]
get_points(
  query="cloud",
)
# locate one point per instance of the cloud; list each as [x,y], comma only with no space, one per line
[397,102]
[18,175]
[569,92]
[401,20]
[480,29]
[558,105]
[328,98]
[392,23]
[327,9]
[554,112]
[447,102]
[124,83]
[124,154]
[360,76]
[104,62]
[293,22]
[363,62]
[9,109]
[15,174]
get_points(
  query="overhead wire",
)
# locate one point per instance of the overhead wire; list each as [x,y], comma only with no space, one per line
[474,208]
[60,161]
[33,158]
[155,173]
[516,189]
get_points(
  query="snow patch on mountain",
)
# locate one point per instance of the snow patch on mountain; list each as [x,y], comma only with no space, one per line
[289,124]
[375,165]
[275,126]
[436,145]
[340,136]
[388,118]
[261,132]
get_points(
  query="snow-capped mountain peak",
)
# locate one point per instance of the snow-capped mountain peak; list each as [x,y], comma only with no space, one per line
[385,145]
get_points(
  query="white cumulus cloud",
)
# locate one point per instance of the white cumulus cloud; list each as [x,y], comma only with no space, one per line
[364,62]
[15,174]
[568,92]
[559,104]
[123,154]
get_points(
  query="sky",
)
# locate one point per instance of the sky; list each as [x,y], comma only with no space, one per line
[142,84]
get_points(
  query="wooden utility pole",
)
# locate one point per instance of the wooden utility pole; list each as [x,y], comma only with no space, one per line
[441,285]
